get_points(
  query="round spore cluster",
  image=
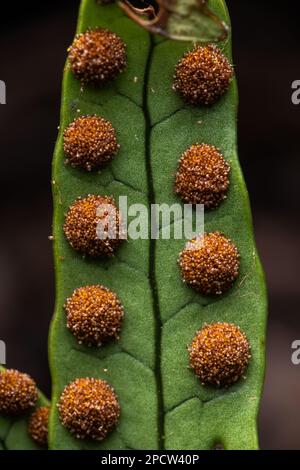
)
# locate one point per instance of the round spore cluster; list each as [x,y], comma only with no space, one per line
[90,142]
[94,314]
[210,264]
[97,56]
[18,392]
[89,408]
[93,226]
[219,354]
[202,176]
[203,75]
[38,425]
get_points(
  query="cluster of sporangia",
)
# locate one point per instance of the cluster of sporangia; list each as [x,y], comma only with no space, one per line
[18,397]
[220,352]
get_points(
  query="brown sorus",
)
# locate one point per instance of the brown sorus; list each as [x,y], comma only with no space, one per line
[219,354]
[94,314]
[202,176]
[203,75]
[90,142]
[97,56]
[89,408]
[82,223]
[38,425]
[210,263]
[18,392]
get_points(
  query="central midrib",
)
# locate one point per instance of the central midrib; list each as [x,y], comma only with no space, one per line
[152,276]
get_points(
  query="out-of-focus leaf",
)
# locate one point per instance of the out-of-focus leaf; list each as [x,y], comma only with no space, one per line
[183,20]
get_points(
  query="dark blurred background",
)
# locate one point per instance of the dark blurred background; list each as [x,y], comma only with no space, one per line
[266,49]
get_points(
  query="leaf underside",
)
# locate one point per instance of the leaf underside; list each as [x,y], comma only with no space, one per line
[163,405]
[13,431]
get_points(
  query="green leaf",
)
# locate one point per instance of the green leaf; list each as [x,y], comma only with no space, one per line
[13,430]
[162,403]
